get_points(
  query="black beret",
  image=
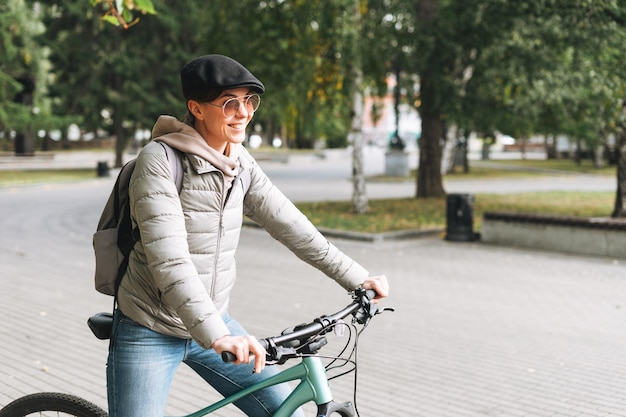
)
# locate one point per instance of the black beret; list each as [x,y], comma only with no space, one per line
[210,73]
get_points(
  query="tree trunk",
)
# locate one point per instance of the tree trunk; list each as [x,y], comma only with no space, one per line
[550,145]
[118,127]
[450,152]
[25,140]
[359,196]
[360,203]
[579,153]
[118,89]
[270,133]
[429,178]
[598,156]
[620,196]
[465,144]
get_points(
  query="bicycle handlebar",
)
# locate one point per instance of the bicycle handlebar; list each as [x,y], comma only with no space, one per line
[361,308]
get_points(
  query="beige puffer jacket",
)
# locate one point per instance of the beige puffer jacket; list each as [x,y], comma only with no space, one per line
[182,271]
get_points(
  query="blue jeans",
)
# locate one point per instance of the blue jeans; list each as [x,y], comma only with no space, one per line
[142,363]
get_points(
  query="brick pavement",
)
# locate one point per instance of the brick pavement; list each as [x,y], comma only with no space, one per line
[478,330]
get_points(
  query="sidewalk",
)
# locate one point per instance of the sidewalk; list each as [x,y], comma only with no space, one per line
[327,175]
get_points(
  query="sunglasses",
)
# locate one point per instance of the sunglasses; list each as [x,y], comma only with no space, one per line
[230,107]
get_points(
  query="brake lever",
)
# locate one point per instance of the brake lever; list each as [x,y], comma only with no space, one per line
[282,355]
[369,310]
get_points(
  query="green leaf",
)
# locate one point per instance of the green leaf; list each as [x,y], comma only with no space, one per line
[145,6]
[127,15]
[111,19]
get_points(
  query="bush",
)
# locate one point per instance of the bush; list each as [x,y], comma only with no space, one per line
[336,141]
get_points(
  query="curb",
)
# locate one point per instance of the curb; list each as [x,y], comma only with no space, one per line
[398,235]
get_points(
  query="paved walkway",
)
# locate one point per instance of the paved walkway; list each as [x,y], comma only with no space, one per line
[327,176]
[478,330]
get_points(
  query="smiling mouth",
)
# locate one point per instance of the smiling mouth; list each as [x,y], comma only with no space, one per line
[238,126]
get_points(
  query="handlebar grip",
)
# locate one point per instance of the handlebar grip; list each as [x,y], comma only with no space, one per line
[370,294]
[231,357]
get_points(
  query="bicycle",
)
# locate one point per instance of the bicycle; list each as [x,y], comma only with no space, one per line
[298,342]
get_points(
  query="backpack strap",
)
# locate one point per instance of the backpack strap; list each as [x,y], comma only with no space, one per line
[176,167]
[176,164]
[175,160]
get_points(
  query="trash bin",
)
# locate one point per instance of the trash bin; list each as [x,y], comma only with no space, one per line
[460,218]
[102,169]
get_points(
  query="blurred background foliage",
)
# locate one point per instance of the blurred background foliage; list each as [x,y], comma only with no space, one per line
[523,67]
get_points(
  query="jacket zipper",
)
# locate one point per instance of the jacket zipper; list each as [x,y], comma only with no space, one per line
[220,233]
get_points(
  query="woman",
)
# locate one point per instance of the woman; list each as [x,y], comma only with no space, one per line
[173,299]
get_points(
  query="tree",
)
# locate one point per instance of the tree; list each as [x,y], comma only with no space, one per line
[619,209]
[105,76]
[519,66]
[559,70]
[523,67]
[429,181]
[451,38]
[360,203]
[23,111]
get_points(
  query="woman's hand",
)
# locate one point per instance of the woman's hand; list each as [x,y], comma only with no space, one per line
[379,284]
[245,348]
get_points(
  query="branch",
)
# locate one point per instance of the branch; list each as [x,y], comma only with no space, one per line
[113,10]
[120,10]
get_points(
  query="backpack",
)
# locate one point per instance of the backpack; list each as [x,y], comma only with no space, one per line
[115,237]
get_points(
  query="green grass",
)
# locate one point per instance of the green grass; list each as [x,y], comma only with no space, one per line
[515,168]
[527,165]
[411,213]
[10,178]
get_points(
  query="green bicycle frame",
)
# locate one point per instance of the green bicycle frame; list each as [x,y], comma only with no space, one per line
[313,386]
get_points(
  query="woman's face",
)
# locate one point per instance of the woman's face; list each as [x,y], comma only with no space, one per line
[218,128]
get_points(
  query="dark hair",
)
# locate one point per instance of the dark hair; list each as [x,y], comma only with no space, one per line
[189,118]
